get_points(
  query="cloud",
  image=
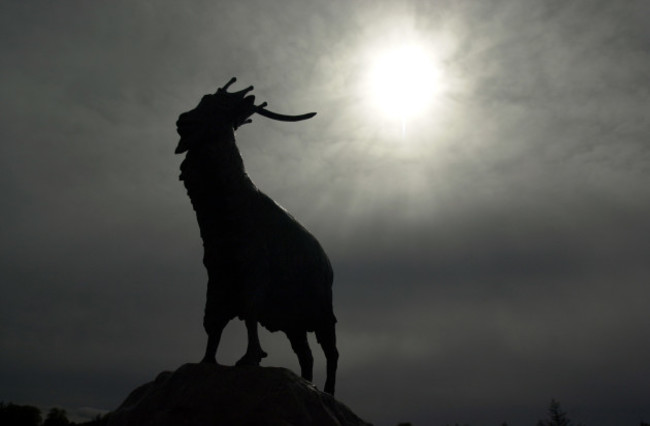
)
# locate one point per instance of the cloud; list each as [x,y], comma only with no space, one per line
[493,259]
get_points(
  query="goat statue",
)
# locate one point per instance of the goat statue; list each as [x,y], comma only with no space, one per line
[263,266]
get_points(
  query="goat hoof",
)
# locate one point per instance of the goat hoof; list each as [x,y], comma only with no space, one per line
[252,358]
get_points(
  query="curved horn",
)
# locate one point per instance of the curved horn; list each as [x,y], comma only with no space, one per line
[230,82]
[264,112]
[240,93]
[243,91]
[282,117]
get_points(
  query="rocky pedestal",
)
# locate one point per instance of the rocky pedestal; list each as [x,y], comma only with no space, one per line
[215,395]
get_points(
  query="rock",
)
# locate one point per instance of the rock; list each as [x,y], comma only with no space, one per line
[215,395]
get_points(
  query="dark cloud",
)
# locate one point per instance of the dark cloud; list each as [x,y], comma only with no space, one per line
[491,260]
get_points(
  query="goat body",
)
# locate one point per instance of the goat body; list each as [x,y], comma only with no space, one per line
[263,266]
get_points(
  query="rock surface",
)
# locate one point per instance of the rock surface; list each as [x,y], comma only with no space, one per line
[215,395]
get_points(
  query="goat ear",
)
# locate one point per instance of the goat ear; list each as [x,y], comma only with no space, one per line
[181,147]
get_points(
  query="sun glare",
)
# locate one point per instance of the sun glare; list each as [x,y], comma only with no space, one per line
[403,81]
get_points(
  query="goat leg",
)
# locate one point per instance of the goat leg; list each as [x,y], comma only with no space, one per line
[254,353]
[214,337]
[300,346]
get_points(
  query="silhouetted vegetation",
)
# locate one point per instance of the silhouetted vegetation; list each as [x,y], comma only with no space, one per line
[27,415]
[556,416]
[56,417]
[99,420]
[19,415]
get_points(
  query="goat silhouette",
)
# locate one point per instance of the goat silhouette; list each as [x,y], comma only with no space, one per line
[263,266]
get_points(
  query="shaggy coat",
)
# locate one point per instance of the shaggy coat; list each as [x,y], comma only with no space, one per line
[257,255]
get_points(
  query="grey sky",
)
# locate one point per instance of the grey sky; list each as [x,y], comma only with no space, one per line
[492,259]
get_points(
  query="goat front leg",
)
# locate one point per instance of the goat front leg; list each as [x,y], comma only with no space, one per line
[255,284]
[214,337]
[254,353]
[214,320]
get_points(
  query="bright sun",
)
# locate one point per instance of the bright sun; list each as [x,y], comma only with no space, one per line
[403,81]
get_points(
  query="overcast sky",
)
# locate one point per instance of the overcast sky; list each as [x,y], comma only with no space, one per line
[491,258]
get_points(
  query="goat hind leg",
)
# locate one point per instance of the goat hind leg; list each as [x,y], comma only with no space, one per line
[326,336]
[300,346]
